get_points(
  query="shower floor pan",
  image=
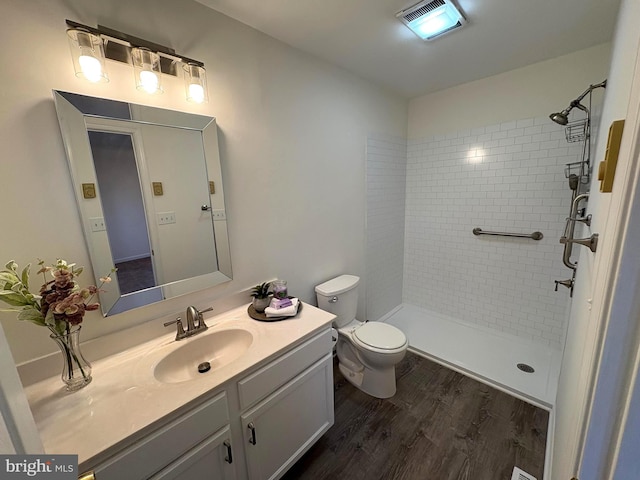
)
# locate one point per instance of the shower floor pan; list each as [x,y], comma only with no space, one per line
[489,356]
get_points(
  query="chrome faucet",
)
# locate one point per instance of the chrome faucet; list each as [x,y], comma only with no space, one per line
[195,323]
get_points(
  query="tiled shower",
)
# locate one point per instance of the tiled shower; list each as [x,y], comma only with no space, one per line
[508,177]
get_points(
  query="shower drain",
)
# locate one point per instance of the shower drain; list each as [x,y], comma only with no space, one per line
[525,368]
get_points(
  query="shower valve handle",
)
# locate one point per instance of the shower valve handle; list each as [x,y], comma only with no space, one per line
[566,283]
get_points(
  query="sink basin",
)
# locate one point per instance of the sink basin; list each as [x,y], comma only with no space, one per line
[217,348]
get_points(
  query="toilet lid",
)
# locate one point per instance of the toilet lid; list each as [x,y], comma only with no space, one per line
[380,335]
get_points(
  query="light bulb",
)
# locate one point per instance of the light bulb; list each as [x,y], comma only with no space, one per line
[149,81]
[433,25]
[195,83]
[196,93]
[91,67]
[87,51]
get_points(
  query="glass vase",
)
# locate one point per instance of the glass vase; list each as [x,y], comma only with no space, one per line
[76,370]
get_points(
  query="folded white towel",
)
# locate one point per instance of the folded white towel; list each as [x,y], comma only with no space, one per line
[283,312]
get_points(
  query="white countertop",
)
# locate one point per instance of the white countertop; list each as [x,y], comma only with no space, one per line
[124,396]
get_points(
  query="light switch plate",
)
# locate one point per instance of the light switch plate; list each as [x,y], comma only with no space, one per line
[97,224]
[218,214]
[165,218]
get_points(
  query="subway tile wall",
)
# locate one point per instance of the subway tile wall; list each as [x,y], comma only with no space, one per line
[386,179]
[507,177]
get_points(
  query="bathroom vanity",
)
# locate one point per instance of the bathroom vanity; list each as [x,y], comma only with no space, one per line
[148,415]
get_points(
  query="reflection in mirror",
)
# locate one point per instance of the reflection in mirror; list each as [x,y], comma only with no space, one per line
[158,213]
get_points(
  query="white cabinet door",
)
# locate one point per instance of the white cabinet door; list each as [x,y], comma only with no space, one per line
[212,459]
[284,425]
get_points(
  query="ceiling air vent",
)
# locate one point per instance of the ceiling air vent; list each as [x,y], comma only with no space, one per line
[432,19]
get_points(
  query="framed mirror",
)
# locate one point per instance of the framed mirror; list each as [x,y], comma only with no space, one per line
[148,184]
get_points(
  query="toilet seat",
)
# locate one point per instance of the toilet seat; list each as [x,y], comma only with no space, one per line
[380,337]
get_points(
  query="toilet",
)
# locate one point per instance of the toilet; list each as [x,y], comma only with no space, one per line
[367,351]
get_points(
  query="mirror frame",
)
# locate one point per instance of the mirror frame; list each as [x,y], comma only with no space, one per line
[74,118]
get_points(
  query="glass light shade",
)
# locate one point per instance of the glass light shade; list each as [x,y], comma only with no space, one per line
[195,82]
[146,68]
[436,22]
[87,52]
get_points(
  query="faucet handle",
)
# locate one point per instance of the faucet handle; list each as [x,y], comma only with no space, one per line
[180,333]
[201,323]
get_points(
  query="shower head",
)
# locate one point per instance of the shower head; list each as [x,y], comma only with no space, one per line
[561,118]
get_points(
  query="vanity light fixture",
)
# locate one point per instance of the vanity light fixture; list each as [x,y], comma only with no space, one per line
[146,68]
[430,19]
[87,51]
[91,46]
[195,82]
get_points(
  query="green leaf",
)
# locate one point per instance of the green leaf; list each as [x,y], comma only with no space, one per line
[78,271]
[13,299]
[8,277]
[49,319]
[60,327]
[12,265]
[32,315]
[25,276]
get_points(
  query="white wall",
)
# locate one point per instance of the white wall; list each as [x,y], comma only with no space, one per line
[607,309]
[292,135]
[386,185]
[529,92]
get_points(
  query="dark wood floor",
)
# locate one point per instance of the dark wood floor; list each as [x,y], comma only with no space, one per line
[135,275]
[440,425]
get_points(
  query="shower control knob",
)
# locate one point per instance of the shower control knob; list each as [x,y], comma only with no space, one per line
[566,283]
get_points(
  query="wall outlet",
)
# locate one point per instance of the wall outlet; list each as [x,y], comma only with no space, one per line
[165,218]
[218,214]
[97,224]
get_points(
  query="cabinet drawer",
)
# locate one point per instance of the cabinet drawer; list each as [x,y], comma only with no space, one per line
[157,450]
[272,376]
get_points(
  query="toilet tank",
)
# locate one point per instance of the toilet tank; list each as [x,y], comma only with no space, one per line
[340,297]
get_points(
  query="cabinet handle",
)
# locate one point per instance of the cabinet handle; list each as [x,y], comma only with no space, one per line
[87,476]
[229,457]
[252,427]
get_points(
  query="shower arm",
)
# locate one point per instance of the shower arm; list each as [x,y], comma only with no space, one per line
[576,102]
[562,116]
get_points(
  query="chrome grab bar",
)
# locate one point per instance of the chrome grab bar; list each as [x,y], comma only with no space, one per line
[533,236]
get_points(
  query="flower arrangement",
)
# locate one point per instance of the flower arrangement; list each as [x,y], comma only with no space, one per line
[60,304]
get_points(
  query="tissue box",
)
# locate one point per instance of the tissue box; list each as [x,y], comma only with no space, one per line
[279,303]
